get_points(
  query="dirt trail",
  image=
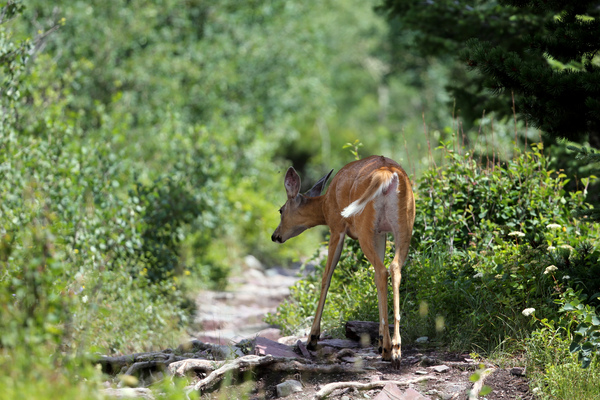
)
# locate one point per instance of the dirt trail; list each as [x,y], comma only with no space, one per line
[229,317]
[236,314]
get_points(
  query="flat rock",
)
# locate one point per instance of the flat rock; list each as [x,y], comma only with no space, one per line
[412,394]
[440,368]
[303,349]
[288,387]
[389,392]
[264,346]
[392,392]
[340,343]
[129,393]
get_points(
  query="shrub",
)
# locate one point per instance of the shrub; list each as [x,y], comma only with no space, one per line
[484,238]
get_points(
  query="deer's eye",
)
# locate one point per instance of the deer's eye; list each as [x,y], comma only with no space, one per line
[281,210]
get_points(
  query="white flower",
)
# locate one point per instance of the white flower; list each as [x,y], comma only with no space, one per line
[516,233]
[84,299]
[566,277]
[554,226]
[550,269]
[566,246]
[528,311]
[478,275]
[551,248]
[499,276]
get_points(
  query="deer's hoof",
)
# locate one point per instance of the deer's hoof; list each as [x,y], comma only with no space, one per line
[396,356]
[312,343]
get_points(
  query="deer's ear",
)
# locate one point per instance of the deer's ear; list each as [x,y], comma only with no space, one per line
[291,183]
[318,187]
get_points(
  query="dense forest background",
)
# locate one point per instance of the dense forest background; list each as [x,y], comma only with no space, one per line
[143,145]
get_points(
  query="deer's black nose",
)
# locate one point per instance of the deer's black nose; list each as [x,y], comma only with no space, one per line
[276,238]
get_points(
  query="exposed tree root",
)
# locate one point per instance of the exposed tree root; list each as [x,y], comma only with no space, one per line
[268,362]
[330,387]
[127,364]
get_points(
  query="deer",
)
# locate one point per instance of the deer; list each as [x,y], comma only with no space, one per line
[366,200]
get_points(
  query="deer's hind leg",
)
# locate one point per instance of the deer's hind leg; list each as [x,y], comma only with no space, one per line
[402,236]
[374,249]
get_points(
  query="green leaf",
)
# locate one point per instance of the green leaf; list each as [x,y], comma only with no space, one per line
[485,390]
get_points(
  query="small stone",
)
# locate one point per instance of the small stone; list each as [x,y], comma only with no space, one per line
[345,398]
[441,368]
[389,392]
[252,263]
[518,371]
[420,372]
[412,394]
[129,393]
[422,339]
[288,387]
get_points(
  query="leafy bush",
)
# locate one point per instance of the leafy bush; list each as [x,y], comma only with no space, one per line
[586,333]
[554,371]
[488,243]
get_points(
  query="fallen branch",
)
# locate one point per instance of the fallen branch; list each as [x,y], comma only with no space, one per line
[149,364]
[183,367]
[477,386]
[245,362]
[295,366]
[329,388]
[279,364]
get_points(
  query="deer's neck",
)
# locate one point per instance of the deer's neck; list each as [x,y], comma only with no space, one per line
[312,211]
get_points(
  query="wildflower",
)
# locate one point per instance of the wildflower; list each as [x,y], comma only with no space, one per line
[528,311]
[84,299]
[566,277]
[566,246]
[554,226]
[550,269]
[498,276]
[516,233]
[187,273]
[478,275]
[551,248]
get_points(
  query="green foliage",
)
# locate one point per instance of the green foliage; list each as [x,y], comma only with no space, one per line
[351,295]
[489,242]
[555,373]
[543,53]
[586,334]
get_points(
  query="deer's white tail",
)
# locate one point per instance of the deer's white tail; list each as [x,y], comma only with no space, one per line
[382,183]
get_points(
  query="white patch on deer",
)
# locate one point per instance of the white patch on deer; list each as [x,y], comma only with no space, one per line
[356,207]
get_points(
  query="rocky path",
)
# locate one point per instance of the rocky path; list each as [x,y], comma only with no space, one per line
[237,356]
[231,316]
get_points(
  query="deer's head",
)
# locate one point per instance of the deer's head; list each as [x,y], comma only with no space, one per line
[295,217]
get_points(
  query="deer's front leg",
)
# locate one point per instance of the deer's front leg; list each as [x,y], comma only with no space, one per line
[336,243]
